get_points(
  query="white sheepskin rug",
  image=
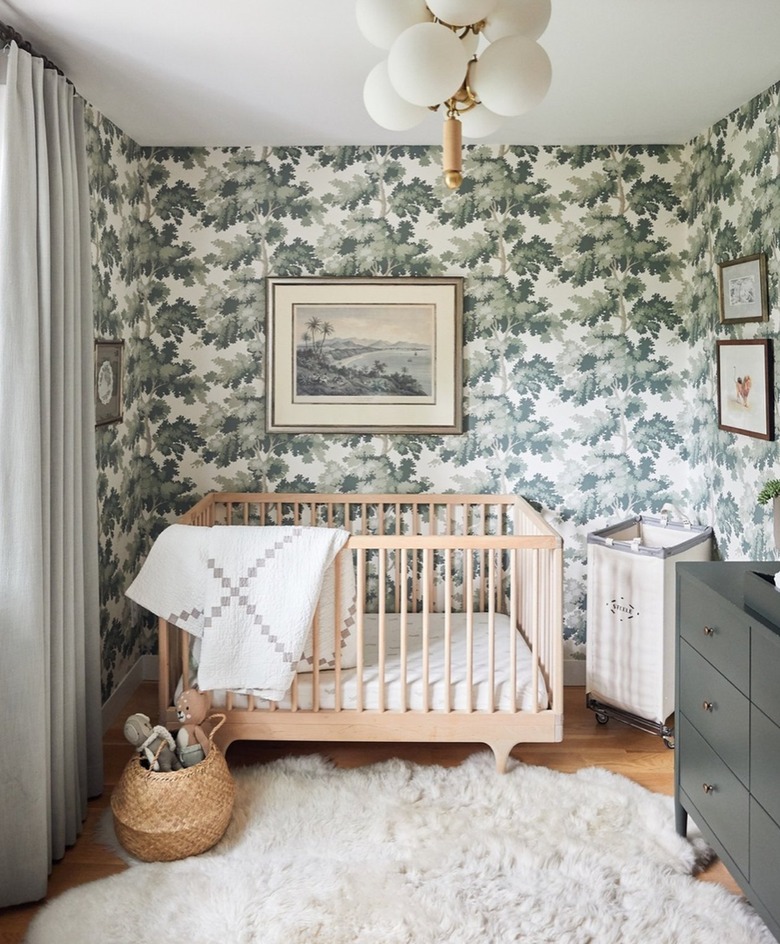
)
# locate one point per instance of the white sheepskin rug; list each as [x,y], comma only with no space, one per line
[397,853]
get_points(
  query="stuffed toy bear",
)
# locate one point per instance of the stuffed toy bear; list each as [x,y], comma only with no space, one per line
[146,739]
[192,707]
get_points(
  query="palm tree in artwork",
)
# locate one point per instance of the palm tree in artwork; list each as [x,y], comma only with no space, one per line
[326,330]
[314,324]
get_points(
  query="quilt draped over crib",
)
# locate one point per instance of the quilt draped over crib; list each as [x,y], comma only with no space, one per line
[250,594]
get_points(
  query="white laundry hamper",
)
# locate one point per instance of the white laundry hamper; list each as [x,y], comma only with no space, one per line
[631,618]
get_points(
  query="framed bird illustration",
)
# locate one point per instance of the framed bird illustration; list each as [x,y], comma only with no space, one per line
[745,396]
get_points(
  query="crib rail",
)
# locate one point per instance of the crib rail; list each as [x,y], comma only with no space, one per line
[375,514]
[481,559]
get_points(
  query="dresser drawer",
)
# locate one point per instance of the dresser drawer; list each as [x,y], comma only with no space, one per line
[720,712]
[765,671]
[764,853]
[720,798]
[716,629]
[764,759]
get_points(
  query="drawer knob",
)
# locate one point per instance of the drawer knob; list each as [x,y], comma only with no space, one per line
[708,787]
[709,631]
[707,705]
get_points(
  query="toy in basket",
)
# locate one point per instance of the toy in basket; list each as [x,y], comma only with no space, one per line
[160,816]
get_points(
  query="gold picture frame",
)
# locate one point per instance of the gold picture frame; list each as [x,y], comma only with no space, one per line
[364,355]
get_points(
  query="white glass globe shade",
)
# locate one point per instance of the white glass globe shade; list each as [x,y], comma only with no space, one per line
[461,12]
[427,64]
[383,21]
[386,106]
[527,17]
[478,122]
[511,76]
[470,42]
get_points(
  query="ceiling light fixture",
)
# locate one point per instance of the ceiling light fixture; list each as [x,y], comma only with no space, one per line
[478,60]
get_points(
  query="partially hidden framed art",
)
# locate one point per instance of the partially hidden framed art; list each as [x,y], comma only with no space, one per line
[108,381]
[742,288]
[364,355]
[745,387]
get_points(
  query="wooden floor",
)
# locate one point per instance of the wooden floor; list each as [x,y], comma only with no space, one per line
[642,757]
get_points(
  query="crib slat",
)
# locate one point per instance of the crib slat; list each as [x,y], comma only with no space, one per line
[398,571]
[535,583]
[381,629]
[431,607]
[360,624]
[448,630]
[404,653]
[338,628]
[513,630]
[500,580]
[164,698]
[491,632]
[482,565]
[315,669]
[185,660]
[426,565]
[470,631]
[415,530]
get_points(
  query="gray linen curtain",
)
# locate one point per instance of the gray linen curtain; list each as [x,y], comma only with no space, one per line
[49,625]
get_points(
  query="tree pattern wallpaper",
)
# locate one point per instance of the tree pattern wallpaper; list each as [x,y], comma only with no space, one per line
[590,321]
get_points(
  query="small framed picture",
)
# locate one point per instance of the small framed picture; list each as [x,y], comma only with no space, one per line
[742,286]
[745,396]
[108,381]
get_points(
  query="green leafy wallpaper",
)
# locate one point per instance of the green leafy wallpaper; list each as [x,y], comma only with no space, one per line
[730,204]
[590,320]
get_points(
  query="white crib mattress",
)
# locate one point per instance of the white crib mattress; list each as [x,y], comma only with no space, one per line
[414,673]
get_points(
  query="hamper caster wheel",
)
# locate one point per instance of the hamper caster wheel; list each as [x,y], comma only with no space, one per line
[601,717]
[669,741]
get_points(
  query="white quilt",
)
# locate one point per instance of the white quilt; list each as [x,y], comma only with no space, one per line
[250,594]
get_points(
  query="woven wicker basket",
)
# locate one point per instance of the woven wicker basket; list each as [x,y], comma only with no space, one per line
[160,816]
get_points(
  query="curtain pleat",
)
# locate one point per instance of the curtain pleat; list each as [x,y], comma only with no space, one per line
[49,624]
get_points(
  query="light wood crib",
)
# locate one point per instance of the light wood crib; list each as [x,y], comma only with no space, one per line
[457,625]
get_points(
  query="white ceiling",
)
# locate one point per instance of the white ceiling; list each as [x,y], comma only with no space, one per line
[278,72]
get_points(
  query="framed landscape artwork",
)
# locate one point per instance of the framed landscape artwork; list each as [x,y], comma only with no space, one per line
[742,287]
[364,355]
[745,396]
[108,382]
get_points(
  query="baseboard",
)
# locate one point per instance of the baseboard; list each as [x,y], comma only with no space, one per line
[573,671]
[145,669]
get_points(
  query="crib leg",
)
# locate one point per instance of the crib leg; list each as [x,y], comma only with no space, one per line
[501,751]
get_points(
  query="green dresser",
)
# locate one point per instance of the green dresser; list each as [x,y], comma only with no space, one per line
[727,731]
